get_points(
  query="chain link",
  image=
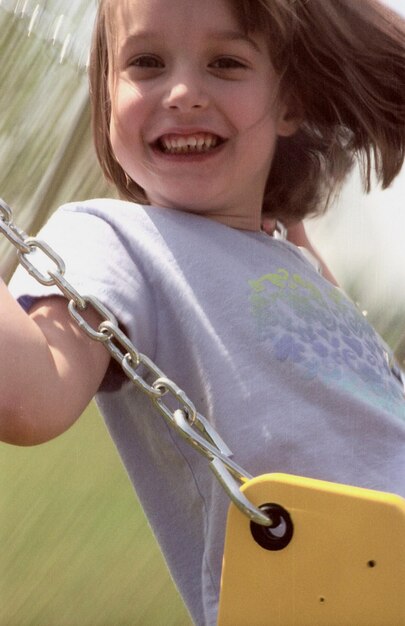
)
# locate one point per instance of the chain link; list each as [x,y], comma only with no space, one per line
[115,340]
[6,213]
[16,236]
[36,244]
[68,291]
[166,386]
[184,417]
[91,303]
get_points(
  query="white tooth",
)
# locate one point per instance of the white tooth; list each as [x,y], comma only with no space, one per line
[192,143]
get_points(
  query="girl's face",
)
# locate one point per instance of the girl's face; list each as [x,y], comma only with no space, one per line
[195,113]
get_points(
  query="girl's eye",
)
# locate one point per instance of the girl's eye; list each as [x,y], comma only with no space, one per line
[147,61]
[226,63]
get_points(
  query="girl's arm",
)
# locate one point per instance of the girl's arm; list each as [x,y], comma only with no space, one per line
[49,369]
[298,236]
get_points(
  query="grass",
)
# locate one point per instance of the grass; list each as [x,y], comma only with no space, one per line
[75,546]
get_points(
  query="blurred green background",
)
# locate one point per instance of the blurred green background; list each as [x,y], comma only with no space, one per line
[75,547]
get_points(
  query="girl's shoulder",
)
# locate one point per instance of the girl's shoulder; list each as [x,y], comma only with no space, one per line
[104,208]
[123,214]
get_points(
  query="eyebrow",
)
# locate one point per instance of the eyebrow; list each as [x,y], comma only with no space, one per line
[235,35]
[225,35]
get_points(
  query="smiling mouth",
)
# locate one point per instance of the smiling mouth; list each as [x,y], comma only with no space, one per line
[196,143]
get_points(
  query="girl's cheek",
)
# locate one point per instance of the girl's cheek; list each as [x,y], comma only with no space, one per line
[122,107]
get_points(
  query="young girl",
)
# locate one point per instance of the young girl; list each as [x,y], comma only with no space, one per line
[211,118]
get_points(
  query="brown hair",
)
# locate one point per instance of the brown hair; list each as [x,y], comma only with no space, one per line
[341,61]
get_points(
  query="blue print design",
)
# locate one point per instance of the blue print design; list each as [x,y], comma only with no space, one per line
[324,336]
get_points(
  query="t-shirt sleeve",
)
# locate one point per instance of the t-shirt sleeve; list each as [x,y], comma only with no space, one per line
[98,263]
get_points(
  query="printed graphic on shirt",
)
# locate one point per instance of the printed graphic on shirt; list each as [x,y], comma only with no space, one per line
[325,336]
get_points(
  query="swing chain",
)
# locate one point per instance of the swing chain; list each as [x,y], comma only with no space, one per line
[16,236]
[185,419]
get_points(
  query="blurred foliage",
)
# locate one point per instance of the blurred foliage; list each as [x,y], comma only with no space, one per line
[46,153]
[75,546]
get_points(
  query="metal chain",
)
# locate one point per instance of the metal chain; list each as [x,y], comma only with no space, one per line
[185,419]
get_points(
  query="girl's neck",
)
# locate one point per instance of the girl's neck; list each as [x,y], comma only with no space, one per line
[240,222]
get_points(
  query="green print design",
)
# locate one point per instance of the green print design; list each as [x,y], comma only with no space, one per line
[325,336]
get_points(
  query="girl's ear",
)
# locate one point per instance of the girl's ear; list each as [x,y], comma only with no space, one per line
[291,116]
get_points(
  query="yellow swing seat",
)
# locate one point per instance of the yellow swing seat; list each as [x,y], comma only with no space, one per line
[334,557]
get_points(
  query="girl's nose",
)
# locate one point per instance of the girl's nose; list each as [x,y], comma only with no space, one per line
[185,94]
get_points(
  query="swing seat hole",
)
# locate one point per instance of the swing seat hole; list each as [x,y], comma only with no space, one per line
[278,535]
[371,563]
